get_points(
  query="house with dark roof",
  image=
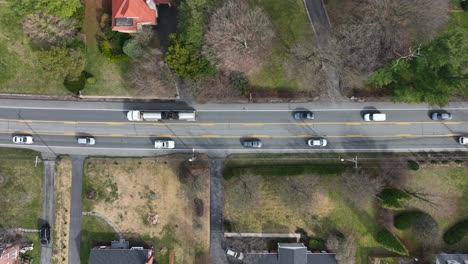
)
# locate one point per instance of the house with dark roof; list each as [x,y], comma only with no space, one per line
[129,16]
[291,253]
[120,252]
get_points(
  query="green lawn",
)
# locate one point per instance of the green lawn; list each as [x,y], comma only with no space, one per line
[93,229]
[19,71]
[458,20]
[292,26]
[20,186]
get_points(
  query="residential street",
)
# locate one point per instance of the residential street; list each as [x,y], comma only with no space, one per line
[47,216]
[75,209]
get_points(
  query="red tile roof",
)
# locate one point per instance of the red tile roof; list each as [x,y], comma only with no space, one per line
[138,10]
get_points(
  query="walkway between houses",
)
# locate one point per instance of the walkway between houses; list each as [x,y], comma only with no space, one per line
[47,215]
[216,212]
[75,209]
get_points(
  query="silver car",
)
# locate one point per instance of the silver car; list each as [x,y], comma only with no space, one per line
[252,143]
[86,141]
[441,116]
[300,115]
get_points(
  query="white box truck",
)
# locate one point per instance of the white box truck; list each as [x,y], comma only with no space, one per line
[136,115]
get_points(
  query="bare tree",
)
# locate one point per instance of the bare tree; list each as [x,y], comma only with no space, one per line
[296,190]
[150,76]
[359,188]
[215,88]
[245,190]
[345,248]
[239,37]
[45,29]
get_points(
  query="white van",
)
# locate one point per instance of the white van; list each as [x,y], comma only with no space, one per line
[188,116]
[375,117]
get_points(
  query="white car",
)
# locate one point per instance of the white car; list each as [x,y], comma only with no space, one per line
[463,140]
[375,117]
[164,144]
[317,142]
[86,141]
[235,254]
[23,140]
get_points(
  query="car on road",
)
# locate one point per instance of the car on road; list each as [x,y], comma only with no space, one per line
[23,139]
[252,143]
[463,140]
[375,117]
[301,115]
[441,116]
[235,254]
[86,141]
[317,142]
[164,144]
[45,234]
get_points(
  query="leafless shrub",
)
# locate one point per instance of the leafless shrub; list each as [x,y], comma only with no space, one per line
[45,29]
[144,36]
[345,248]
[150,76]
[296,191]
[359,187]
[215,88]
[239,37]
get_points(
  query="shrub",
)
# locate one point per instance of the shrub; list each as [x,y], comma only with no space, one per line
[109,55]
[62,63]
[315,244]
[404,220]
[393,198]
[49,30]
[456,233]
[105,20]
[199,207]
[132,48]
[239,81]
[91,80]
[424,229]
[390,242]
[413,165]
[54,7]
[464,4]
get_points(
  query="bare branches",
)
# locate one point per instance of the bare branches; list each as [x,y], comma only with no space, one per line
[49,30]
[359,188]
[239,37]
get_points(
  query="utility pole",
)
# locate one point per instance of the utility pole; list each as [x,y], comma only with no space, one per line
[355,160]
[193,158]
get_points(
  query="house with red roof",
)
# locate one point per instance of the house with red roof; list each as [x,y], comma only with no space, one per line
[129,16]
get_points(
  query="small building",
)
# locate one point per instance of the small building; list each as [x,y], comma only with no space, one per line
[292,253]
[10,254]
[129,16]
[120,252]
[451,258]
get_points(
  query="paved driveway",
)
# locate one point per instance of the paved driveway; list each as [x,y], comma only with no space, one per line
[216,212]
[75,210]
[47,215]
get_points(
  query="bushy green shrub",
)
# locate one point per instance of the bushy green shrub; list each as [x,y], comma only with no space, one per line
[132,48]
[390,242]
[315,244]
[239,81]
[91,80]
[62,63]
[456,233]
[404,220]
[393,198]
[109,55]
[413,165]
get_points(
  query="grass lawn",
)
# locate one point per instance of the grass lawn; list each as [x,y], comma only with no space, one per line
[292,26]
[123,188]
[270,210]
[19,70]
[93,229]
[20,186]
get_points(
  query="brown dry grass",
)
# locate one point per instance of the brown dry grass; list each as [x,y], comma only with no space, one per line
[62,187]
[135,180]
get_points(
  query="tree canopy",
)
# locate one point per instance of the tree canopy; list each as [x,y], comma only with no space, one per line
[433,75]
[63,8]
[62,63]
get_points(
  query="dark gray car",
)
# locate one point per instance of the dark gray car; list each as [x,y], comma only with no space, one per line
[45,234]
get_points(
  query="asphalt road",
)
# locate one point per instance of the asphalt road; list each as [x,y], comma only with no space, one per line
[221,130]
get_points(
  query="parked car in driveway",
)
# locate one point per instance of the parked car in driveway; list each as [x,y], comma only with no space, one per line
[300,115]
[252,143]
[235,254]
[317,142]
[463,140]
[86,141]
[23,139]
[164,144]
[45,234]
[441,116]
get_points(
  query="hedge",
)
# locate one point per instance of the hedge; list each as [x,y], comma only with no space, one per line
[393,198]
[390,242]
[413,165]
[406,219]
[107,53]
[456,233]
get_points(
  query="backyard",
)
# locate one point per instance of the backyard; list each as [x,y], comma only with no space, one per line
[272,203]
[157,200]
[21,185]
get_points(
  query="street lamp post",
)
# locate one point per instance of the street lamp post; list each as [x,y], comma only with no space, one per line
[355,160]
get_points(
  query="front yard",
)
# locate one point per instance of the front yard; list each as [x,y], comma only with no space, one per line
[154,199]
[288,198]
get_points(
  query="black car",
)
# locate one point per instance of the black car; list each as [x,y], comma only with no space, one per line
[300,115]
[45,234]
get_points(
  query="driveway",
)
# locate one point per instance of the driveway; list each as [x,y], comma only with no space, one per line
[75,209]
[216,212]
[47,216]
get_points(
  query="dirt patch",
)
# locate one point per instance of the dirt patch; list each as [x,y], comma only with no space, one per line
[62,185]
[147,197]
